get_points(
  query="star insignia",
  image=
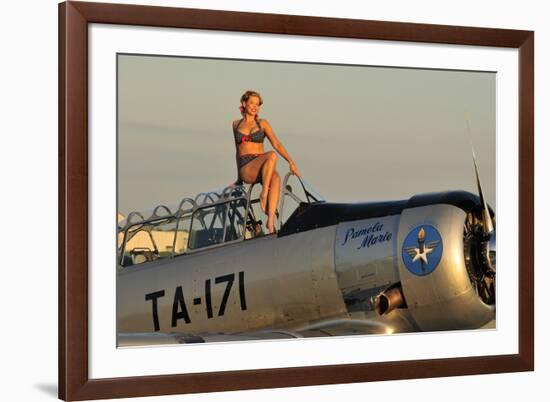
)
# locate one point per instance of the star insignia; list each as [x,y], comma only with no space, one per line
[415,254]
[423,256]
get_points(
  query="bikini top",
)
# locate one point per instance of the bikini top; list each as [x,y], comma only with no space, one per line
[256,136]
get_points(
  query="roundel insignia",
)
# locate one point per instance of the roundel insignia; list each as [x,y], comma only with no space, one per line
[422,250]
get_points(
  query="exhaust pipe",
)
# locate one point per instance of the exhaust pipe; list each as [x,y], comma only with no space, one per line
[389,300]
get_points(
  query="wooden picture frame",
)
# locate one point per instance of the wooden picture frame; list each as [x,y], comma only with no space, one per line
[74,381]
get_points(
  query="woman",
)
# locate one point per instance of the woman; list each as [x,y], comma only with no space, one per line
[253,163]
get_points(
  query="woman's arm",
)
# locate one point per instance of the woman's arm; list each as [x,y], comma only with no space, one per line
[233,125]
[278,146]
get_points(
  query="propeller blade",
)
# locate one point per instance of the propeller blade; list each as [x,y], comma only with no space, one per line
[487,222]
[486,216]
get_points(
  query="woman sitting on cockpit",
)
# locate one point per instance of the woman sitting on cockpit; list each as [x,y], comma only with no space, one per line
[253,163]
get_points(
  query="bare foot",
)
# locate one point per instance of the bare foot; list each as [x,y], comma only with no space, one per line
[263,199]
[270,226]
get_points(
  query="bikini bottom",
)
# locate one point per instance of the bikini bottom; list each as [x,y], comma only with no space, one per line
[244,159]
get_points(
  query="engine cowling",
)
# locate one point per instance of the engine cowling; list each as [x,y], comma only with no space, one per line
[445,295]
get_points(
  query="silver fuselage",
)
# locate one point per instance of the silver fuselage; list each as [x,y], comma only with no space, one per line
[316,279]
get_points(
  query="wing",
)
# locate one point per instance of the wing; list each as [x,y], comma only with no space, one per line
[159,339]
[432,244]
[411,251]
[359,323]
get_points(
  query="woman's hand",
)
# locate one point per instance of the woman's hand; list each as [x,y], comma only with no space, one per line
[294,169]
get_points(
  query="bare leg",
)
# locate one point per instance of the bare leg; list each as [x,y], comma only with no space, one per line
[273,200]
[267,173]
[264,163]
[250,171]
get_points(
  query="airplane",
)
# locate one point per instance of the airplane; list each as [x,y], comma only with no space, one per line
[205,271]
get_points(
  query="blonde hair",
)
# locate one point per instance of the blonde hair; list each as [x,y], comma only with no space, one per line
[246,96]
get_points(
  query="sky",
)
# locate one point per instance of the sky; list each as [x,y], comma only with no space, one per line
[356,133]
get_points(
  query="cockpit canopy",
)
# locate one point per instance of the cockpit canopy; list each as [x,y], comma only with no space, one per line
[208,220]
